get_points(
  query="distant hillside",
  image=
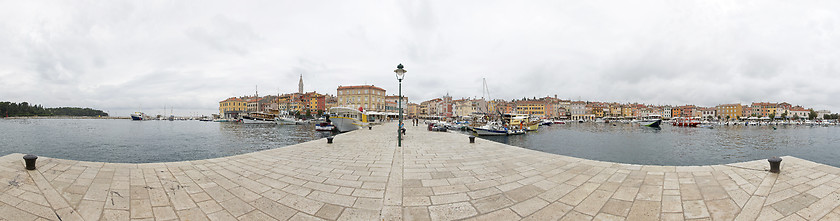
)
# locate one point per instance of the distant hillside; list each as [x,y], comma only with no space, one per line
[23,109]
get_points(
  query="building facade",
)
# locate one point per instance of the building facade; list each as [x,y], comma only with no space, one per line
[232,107]
[368,97]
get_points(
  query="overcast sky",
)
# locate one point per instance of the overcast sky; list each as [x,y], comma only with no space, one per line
[124,56]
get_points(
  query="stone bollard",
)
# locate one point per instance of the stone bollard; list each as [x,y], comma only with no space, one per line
[30,161]
[370,128]
[472,139]
[775,163]
[329,139]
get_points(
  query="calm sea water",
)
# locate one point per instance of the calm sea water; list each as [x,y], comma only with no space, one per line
[677,146]
[127,141]
[165,141]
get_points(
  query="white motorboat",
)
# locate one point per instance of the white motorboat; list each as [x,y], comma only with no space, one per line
[491,129]
[347,119]
[285,120]
[651,121]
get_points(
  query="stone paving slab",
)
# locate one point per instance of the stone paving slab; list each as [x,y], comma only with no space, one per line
[433,176]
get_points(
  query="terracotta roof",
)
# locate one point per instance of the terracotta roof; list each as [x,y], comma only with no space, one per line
[798,109]
[231,99]
[360,87]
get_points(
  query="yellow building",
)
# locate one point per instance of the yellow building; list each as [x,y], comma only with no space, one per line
[615,111]
[369,97]
[627,111]
[232,107]
[533,108]
[729,111]
[764,109]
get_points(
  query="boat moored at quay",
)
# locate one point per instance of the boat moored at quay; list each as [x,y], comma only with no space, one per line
[347,119]
[259,118]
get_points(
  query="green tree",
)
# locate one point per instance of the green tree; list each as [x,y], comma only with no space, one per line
[772,117]
[784,115]
[812,115]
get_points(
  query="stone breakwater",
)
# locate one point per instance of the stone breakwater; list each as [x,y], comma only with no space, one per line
[433,176]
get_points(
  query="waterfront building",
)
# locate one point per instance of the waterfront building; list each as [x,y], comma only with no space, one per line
[667,112]
[746,111]
[799,112]
[254,104]
[429,108]
[413,110]
[232,107]
[563,108]
[764,109]
[627,111]
[392,103]
[729,111]
[676,112]
[269,104]
[707,112]
[368,97]
[821,113]
[531,107]
[446,107]
[330,102]
[615,110]
[687,111]
[599,110]
[317,102]
[578,109]
[463,107]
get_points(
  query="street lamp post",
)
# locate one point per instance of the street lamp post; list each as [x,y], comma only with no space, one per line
[400,75]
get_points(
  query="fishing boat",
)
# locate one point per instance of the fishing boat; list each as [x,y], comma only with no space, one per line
[685,122]
[324,127]
[492,128]
[347,119]
[521,121]
[651,121]
[139,116]
[258,118]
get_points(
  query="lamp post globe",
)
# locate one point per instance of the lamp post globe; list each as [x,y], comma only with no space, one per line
[400,75]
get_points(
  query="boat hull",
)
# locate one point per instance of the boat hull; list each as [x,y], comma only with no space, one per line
[487,132]
[285,121]
[686,124]
[257,121]
[650,123]
[533,127]
[344,124]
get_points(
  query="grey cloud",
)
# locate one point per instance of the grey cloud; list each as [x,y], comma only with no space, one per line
[119,55]
[225,34]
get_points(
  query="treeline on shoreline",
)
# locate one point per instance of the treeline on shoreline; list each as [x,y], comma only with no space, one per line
[24,109]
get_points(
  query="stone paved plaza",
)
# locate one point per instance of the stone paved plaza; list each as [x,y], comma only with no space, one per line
[434,176]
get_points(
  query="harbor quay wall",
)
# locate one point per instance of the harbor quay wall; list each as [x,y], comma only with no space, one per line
[365,175]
